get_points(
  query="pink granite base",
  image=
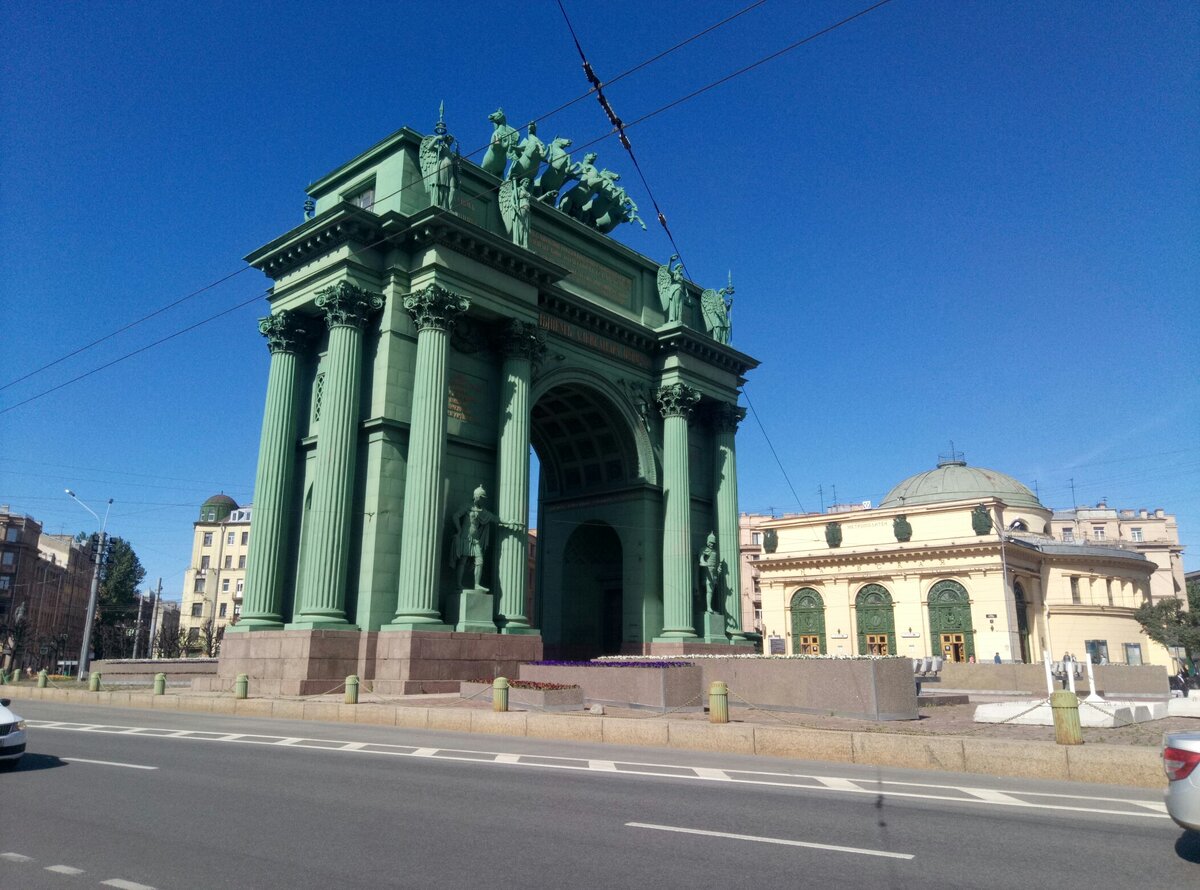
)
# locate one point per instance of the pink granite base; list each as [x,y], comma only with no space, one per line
[313,662]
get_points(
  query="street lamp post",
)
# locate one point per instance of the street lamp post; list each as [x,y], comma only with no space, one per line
[91,609]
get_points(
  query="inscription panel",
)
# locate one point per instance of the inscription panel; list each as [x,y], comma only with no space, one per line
[594,277]
[594,340]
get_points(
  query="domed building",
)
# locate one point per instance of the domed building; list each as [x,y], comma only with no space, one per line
[215,581]
[963,562]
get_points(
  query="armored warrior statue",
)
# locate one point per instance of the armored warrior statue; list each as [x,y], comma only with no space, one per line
[710,574]
[439,164]
[715,306]
[670,288]
[515,197]
[473,531]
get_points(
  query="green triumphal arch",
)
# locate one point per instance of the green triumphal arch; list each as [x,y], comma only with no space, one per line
[432,321]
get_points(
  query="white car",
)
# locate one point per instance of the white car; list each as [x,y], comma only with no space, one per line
[1181,757]
[12,736]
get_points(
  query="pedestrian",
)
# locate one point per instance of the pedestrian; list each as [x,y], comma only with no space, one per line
[971,660]
[1182,677]
[996,658]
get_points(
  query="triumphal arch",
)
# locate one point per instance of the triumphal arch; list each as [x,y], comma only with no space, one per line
[432,323]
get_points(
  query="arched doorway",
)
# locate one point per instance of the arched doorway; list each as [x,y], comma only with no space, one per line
[591,509]
[950,630]
[808,622]
[1022,605]
[876,622]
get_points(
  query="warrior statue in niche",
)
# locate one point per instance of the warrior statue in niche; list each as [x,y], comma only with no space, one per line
[710,575]
[472,534]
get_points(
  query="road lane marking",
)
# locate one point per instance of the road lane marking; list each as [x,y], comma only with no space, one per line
[106,763]
[125,885]
[16,857]
[64,869]
[796,782]
[785,842]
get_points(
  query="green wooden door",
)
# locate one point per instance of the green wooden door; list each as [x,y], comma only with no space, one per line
[950,613]
[808,622]
[875,618]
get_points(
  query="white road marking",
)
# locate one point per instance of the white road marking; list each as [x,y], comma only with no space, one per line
[16,857]
[799,782]
[832,848]
[125,885]
[106,763]
[64,869]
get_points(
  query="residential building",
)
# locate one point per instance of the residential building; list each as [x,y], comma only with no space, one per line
[45,581]
[966,562]
[215,580]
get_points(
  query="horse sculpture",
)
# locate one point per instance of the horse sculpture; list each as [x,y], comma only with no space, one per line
[504,140]
[526,156]
[557,172]
[578,195]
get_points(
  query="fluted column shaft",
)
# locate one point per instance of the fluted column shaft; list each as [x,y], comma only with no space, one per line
[323,590]
[726,419]
[434,311]
[676,401]
[523,345]
[262,604]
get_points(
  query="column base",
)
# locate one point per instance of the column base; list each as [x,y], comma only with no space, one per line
[431,621]
[675,635]
[475,612]
[317,623]
[245,625]
[518,627]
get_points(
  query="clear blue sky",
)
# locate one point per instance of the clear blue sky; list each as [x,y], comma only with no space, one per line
[945,220]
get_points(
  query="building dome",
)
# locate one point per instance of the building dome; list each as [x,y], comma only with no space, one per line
[216,508]
[953,480]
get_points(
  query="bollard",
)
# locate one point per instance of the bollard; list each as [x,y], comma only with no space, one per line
[160,684]
[94,681]
[352,690]
[43,679]
[1065,706]
[241,686]
[3,677]
[718,702]
[500,694]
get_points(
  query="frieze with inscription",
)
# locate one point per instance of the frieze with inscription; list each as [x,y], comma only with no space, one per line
[593,340]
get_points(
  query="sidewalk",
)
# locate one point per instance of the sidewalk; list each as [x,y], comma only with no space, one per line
[945,738]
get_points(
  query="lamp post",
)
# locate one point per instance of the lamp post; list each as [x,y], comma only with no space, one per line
[91,609]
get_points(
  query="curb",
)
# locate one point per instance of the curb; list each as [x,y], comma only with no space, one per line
[1127,765]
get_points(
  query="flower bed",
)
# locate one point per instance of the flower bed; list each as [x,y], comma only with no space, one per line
[539,696]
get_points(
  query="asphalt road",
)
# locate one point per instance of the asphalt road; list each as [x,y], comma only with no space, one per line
[149,799]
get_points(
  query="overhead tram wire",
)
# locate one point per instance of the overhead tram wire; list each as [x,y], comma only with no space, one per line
[770,445]
[421,181]
[638,67]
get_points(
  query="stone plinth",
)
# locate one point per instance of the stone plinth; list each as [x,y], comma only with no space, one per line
[626,686]
[475,608]
[569,699]
[312,662]
[142,670]
[1117,680]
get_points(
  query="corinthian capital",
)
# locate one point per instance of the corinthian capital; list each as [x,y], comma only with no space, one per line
[677,399]
[523,340]
[726,417]
[435,307]
[286,331]
[346,304]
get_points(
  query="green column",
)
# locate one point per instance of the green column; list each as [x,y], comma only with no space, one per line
[676,401]
[434,311]
[262,605]
[726,418]
[523,345]
[323,587]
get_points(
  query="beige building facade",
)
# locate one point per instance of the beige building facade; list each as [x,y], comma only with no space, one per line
[965,562]
[215,581]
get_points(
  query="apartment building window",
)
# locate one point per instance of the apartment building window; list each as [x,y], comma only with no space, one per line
[12,534]
[197,610]
[1075,598]
[1133,653]
[242,561]
[755,537]
[228,561]
[208,539]
[758,616]
[1097,532]
[1135,534]
[237,610]
[221,612]
[198,587]
[204,562]
[193,634]
[229,538]
[364,197]
[8,557]
[245,538]
[241,585]
[1108,586]
[225,585]
[5,581]
[1068,536]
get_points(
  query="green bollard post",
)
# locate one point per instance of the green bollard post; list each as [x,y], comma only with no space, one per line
[94,681]
[352,690]
[160,684]
[3,677]
[500,694]
[718,702]
[1064,704]
[43,679]
[241,686]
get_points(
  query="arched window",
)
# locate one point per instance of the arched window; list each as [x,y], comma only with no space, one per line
[808,622]
[876,623]
[951,633]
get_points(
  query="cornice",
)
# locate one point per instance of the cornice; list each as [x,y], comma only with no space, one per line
[679,338]
[577,310]
[318,236]
[436,227]
[840,555]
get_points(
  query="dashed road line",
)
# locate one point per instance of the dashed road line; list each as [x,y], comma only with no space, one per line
[786,842]
[106,763]
[125,885]
[16,857]
[65,869]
